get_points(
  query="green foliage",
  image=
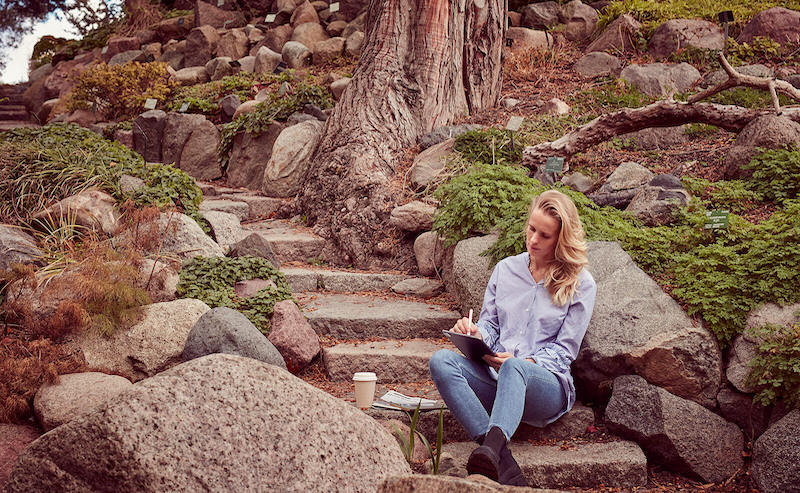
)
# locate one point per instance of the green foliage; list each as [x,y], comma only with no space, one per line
[733,195]
[776,174]
[761,49]
[170,14]
[704,59]
[119,91]
[609,97]
[51,163]
[476,147]
[275,107]
[204,98]
[700,130]
[775,371]
[407,445]
[212,280]
[748,97]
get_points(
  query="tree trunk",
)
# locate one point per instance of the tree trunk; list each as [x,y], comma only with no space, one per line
[665,113]
[424,63]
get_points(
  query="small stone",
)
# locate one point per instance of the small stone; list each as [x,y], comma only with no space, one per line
[420,287]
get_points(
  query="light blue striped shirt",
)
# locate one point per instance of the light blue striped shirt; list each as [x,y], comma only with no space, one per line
[519,317]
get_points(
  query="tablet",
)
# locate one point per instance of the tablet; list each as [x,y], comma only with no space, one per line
[472,347]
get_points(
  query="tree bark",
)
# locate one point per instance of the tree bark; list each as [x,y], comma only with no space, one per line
[424,63]
[665,113]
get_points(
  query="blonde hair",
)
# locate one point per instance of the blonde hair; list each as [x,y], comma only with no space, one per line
[561,278]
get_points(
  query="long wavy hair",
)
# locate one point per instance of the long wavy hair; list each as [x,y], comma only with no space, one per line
[561,278]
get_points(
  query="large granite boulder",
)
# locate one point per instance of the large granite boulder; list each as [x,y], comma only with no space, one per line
[75,394]
[293,336]
[522,38]
[220,423]
[678,433]
[769,131]
[780,24]
[414,216]
[249,156]
[17,247]
[182,237]
[622,185]
[199,155]
[233,44]
[541,15]
[739,408]
[776,468]
[303,13]
[685,33]
[658,203]
[287,166]
[225,330]
[637,328]
[226,229]
[619,36]
[92,209]
[266,60]
[209,15]
[309,34]
[659,79]
[201,45]
[177,129]
[150,346]
[430,163]
[429,252]
[148,133]
[597,64]
[13,440]
[579,20]
[296,54]
[470,272]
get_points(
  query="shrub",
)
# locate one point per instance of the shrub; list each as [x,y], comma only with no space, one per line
[212,280]
[119,91]
[204,98]
[51,163]
[776,174]
[733,194]
[776,369]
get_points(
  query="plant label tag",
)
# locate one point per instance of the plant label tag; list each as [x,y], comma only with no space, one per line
[220,3]
[270,18]
[104,50]
[283,89]
[514,123]
[334,7]
[717,219]
[181,21]
[725,16]
[554,164]
[184,108]
[150,104]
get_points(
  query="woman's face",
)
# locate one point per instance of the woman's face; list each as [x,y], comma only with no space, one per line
[542,235]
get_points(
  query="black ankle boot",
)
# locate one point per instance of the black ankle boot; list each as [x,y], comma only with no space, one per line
[510,472]
[485,460]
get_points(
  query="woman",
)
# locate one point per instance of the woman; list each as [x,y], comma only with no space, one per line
[535,312]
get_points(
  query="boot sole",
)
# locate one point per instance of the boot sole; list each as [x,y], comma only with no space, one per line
[481,462]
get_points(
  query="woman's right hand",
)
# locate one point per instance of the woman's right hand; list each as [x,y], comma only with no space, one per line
[463,326]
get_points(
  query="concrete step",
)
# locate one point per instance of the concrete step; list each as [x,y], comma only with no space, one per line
[313,279]
[392,361]
[289,242]
[352,316]
[620,464]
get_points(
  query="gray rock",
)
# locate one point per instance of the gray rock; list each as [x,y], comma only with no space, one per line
[225,330]
[92,209]
[251,287]
[597,64]
[658,206]
[775,467]
[266,60]
[554,106]
[720,76]
[637,328]
[229,103]
[233,44]
[40,72]
[523,38]
[256,246]
[742,352]
[148,132]
[199,155]
[769,131]
[127,56]
[658,79]
[353,43]
[159,279]
[74,394]
[219,401]
[622,185]
[540,15]
[510,103]
[335,28]
[238,208]
[293,336]
[470,272]
[288,164]
[303,13]
[16,246]
[430,163]
[298,117]
[247,63]
[225,227]
[308,34]
[338,86]
[414,216]
[444,133]
[580,20]
[578,181]
[656,138]
[680,434]
[777,23]
[327,50]
[219,67]
[177,129]
[248,157]
[739,408]
[209,15]
[150,346]
[129,185]
[619,36]
[190,76]
[420,287]
[685,33]
[13,440]
[393,361]
[182,236]
[201,45]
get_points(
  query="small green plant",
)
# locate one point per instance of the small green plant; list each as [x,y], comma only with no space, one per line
[776,174]
[699,130]
[733,194]
[490,146]
[611,96]
[748,97]
[761,49]
[775,371]
[119,91]
[407,445]
[212,280]
[704,59]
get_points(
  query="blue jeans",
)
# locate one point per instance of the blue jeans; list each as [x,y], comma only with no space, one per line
[524,391]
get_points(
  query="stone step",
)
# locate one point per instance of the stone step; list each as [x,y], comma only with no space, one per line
[289,242]
[619,464]
[311,279]
[352,316]
[392,361]
[238,208]
[10,125]
[260,207]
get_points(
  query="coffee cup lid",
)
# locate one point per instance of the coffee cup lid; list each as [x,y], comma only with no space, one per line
[364,376]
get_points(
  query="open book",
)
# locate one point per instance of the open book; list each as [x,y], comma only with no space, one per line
[401,402]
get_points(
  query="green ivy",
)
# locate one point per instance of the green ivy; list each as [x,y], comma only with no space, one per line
[776,174]
[212,280]
[775,371]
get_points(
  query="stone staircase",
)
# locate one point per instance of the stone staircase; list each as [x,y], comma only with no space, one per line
[364,326]
[13,112]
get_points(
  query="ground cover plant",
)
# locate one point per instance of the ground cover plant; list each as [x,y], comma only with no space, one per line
[204,98]
[212,280]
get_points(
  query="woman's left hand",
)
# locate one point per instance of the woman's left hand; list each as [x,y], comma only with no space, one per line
[497,360]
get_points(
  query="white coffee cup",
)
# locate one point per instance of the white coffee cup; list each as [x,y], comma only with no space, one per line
[365,388]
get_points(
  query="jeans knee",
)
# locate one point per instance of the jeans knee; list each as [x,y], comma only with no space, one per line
[440,361]
[512,364]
